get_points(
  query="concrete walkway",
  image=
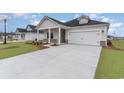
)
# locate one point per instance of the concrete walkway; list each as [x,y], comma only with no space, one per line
[65,61]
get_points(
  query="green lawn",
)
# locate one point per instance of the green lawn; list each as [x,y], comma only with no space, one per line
[13,49]
[111,64]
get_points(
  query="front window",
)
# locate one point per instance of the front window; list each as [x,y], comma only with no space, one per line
[41,31]
[23,36]
[51,35]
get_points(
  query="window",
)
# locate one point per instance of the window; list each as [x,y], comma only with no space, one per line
[23,36]
[48,35]
[83,19]
[41,31]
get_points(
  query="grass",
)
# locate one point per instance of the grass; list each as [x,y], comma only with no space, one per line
[14,49]
[111,63]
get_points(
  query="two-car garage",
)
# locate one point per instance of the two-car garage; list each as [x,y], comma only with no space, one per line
[84,37]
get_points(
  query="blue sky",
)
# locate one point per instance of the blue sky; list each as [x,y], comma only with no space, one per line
[21,20]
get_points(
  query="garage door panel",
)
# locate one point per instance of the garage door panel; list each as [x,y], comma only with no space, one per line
[89,38]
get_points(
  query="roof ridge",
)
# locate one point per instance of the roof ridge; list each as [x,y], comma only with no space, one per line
[60,22]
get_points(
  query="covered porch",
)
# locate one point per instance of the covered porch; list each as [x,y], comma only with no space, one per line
[53,35]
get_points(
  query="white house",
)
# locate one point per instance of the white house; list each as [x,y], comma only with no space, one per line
[29,33]
[82,30]
[9,36]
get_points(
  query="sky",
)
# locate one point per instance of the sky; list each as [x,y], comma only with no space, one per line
[21,20]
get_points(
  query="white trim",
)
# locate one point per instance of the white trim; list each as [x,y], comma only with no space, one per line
[37,34]
[59,39]
[48,28]
[86,26]
[53,21]
[94,30]
[46,18]
[49,32]
[106,32]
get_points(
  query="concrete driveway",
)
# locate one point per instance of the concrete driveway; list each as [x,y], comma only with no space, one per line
[65,61]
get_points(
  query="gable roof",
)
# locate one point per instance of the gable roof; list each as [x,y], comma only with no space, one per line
[75,22]
[33,27]
[51,19]
[21,30]
[59,22]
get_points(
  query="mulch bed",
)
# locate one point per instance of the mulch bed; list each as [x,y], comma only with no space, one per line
[54,45]
[41,46]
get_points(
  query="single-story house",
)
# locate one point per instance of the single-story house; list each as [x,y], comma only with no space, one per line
[9,35]
[110,37]
[82,30]
[28,33]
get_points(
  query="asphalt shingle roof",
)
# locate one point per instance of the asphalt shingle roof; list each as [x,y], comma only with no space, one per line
[75,22]
[57,21]
[32,27]
[21,30]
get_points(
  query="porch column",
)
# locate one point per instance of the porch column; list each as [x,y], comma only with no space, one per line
[49,35]
[37,34]
[59,39]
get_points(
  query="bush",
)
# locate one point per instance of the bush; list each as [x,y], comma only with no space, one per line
[109,43]
[29,42]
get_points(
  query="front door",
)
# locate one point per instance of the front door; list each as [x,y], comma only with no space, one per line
[63,36]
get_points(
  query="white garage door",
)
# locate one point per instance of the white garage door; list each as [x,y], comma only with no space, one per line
[84,37]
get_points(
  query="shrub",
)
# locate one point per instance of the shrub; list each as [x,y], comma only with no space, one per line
[109,43]
[29,42]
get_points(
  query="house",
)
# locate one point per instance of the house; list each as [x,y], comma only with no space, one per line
[28,33]
[82,31]
[9,35]
[110,37]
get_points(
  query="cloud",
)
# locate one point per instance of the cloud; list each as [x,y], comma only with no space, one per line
[62,21]
[93,15]
[3,16]
[33,19]
[104,19]
[118,24]
[34,22]
[19,14]
[77,15]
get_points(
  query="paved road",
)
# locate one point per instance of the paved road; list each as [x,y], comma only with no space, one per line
[65,61]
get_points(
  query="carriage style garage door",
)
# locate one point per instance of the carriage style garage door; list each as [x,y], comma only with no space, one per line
[84,37]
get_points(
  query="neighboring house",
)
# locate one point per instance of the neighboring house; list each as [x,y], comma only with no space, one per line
[118,38]
[82,30]
[29,33]
[110,37]
[9,36]
[20,32]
